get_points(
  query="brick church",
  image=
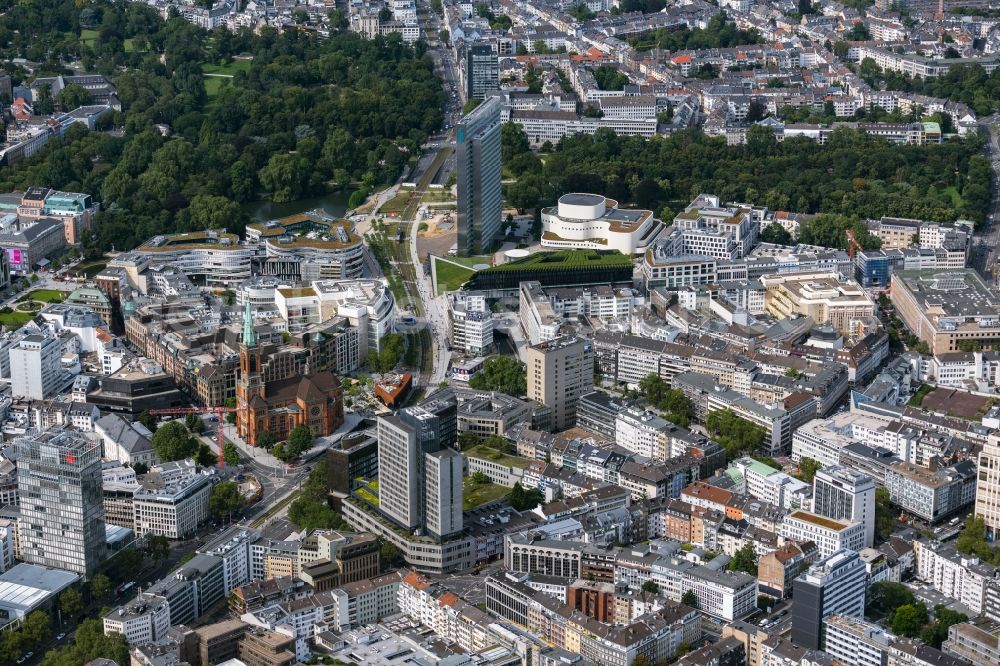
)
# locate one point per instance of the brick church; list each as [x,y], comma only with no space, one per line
[275,395]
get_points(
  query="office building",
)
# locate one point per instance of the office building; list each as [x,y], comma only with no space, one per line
[945,308]
[823,296]
[988,487]
[834,585]
[853,641]
[193,589]
[482,71]
[477,162]
[172,500]
[145,619]
[471,323]
[828,534]
[399,491]
[36,367]
[931,495]
[443,492]
[845,494]
[979,643]
[559,372]
[61,500]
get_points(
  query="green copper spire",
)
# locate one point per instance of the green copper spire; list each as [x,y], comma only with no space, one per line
[249,335]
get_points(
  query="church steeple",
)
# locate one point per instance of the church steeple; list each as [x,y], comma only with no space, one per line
[249,338]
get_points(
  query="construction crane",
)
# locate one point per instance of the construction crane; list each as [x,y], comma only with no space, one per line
[852,243]
[219,413]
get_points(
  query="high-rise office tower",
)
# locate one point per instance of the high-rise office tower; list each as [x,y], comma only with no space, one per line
[482,71]
[477,162]
[832,586]
[420,481]
[845,494]
[988,487]
[61,501]
[559,372]
[399,493]
[443,492]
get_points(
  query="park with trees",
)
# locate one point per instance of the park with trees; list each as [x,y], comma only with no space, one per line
[299,116]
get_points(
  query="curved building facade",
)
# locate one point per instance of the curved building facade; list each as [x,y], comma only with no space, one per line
[326,249]
[592,221]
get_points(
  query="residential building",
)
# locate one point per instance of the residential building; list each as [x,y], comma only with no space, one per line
[61,523]
[559,372]
[961,577]
[845,494]
[834,585]
[778,569]
[477,159]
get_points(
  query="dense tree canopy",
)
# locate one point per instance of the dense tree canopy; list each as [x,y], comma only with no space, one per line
[967,83]
[174,442]
[501,373]
[310,509]
[720,33]
[853,174]
[302,116]
[675,406]
[738,436]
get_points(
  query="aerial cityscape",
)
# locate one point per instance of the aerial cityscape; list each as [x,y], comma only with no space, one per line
[496,332]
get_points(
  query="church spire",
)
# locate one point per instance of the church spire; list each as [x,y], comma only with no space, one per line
[249,338]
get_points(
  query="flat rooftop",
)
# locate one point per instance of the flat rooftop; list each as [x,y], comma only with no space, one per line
[959,294]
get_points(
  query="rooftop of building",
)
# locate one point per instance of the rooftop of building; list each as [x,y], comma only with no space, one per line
[819,521]
[954,294]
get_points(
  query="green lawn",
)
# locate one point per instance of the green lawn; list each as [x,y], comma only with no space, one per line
[476,494]
[15,319]
[47,295]
[397,203]
[89,36]
[956,198]
[450,277]
[230,69]
[213,84]
[472,261]
[500,457]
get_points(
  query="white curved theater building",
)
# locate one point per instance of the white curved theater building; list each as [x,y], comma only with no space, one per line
[591,221]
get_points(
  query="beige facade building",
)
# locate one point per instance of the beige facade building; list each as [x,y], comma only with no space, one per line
[822,296]
[559,372]
[988,487]
[947,309]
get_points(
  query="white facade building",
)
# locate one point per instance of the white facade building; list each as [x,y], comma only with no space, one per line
[828,534]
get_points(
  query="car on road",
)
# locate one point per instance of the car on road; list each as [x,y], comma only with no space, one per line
[25,657]
[60,636]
